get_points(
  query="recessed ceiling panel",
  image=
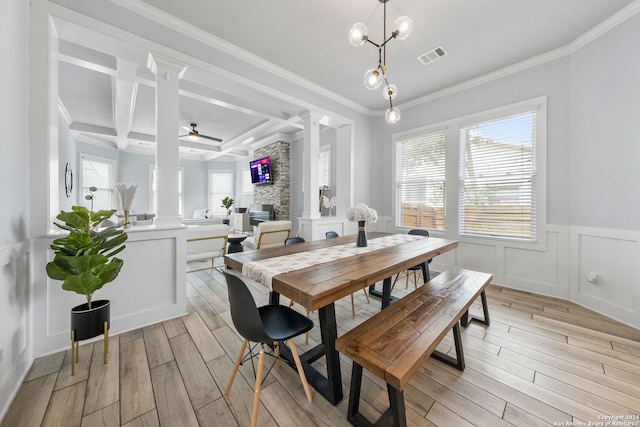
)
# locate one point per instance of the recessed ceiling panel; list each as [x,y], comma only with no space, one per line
[87,95]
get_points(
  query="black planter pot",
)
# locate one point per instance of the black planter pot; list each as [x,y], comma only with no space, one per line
[88,323]
[225,221]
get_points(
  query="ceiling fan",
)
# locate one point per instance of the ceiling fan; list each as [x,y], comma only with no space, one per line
[194,135]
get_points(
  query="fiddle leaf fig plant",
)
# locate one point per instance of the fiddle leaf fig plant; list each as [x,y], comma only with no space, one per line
[85,259]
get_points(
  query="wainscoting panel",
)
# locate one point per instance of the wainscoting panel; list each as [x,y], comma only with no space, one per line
[606,272]
[150,288]
[538,271]
[15,320]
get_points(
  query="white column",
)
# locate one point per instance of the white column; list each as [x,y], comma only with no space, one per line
[310,168]
[168,73]
[344,170]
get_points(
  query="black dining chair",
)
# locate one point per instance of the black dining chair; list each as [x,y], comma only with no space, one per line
[267,324]
[424,267]
[331,235]
[292,240]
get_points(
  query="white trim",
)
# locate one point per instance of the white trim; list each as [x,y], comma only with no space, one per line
[144,9]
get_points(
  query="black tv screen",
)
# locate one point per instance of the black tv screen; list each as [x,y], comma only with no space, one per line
[261,171]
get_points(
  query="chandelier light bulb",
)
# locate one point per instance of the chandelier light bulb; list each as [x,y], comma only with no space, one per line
[372,79]
[358,34]
[392,115]
[403,26]
[389,91]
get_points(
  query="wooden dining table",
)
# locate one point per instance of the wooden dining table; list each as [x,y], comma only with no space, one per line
[319,286]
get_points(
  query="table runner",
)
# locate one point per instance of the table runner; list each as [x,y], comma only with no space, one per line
[264,270]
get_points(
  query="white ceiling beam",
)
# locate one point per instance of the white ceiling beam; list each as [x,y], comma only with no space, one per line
[86,58]
[92,129]
[199,146]
[124,94]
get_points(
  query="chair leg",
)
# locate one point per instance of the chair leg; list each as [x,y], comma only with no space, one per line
[235,368]
[406,280]
[353,306]
[276,349]
[256,393]
[394,281]
[303,378]
[415,280]
[366,294]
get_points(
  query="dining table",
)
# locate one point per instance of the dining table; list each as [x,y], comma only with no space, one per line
[319,286]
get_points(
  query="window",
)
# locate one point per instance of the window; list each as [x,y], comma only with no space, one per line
[420,180]
[498,177]
[99,173]
[247,186]
[220,185]
[153,194]
[476,177]
[324,166]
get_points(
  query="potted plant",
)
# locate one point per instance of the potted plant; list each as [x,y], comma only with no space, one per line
[85,261]
[226,203]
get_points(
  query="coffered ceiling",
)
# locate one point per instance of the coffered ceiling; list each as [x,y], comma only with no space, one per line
[107,92]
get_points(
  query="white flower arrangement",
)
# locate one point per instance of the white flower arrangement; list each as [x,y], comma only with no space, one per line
[126,192]
[362,212]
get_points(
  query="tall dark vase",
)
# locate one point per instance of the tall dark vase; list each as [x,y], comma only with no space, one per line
[361,242]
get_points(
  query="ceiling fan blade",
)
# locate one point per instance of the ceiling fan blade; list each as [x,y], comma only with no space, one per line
[210,137]
[187,128]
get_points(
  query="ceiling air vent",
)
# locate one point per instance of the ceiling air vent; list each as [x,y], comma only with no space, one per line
[432,55]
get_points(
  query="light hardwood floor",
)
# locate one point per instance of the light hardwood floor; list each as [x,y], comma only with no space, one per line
[543,361]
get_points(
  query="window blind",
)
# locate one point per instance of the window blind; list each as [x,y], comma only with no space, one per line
[324,159]
[420,180]
[498,178]
[220,185]
[99,173]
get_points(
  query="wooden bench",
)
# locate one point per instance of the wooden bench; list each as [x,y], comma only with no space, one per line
[395,342]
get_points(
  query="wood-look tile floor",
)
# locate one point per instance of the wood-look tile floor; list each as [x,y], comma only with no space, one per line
[541,362]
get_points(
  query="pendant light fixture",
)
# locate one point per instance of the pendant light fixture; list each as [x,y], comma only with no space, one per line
[375,77]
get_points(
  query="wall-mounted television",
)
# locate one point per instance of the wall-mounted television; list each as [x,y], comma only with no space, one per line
[261,171]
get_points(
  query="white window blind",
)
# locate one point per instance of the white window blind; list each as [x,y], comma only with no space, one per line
[100,173]
[420,180]
[498,178]
[324,166]
[220,185]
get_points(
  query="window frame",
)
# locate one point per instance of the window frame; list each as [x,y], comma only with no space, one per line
[210,203]
[453,165]
[115,202]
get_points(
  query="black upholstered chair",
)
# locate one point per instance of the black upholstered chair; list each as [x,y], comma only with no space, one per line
[331,234]
[424,267]
[270,324]
[292,240]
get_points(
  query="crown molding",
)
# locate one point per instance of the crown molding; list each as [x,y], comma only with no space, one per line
[605,26]
[141,8]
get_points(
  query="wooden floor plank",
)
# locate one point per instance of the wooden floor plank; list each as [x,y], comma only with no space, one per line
[442,416]
[105,417]
[202,337]
[30,404]
[45,365]
[283,407]
[174,406]
[136,392]
[157,345]
[200,386]
[216,413]
[150,419]
[65,407]
[520,417]
[103,385]
[174,327]
[85,354]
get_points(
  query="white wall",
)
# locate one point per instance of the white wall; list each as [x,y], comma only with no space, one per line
[593,181]
[15,349]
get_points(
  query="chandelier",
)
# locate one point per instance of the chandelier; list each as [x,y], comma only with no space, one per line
[374,77]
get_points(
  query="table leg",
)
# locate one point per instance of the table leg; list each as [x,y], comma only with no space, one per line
[385,295]
[329,333]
